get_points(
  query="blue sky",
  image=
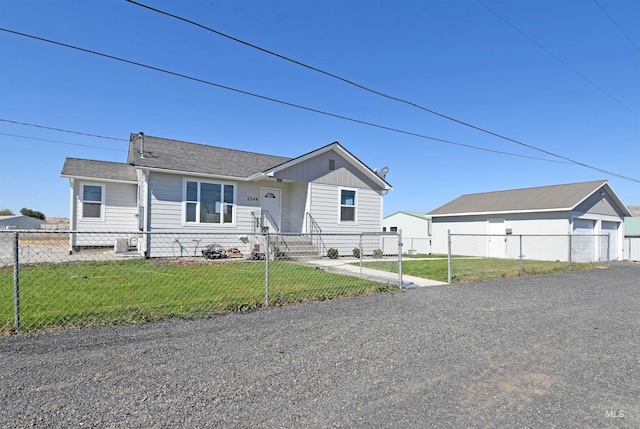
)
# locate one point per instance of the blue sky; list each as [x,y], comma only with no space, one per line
[572,87]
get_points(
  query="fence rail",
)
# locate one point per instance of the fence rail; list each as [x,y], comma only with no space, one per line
[70,279]
[477,257]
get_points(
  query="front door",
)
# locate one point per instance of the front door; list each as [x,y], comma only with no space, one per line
[271,208]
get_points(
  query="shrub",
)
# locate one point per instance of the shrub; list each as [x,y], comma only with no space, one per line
[332,253]
[377,253]
[356,252]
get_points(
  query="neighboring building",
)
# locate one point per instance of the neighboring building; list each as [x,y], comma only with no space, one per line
[20,222]
[578,209]
[632,238]
[416,230]
[175,186]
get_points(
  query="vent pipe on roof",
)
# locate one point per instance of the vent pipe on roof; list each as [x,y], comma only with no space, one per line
[141,135]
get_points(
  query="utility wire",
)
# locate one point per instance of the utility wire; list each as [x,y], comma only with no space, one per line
[560,60]
[286,103]
[67,143]
[298,106]
[373,91]
[616,24]
[59,129]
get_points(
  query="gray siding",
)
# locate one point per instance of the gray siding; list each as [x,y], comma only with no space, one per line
[317,170]
[599,204]
[167,206]
[120,214]
[120,208]
[325,202]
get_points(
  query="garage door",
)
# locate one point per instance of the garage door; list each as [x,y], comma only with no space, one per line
[611,229]
[582,243]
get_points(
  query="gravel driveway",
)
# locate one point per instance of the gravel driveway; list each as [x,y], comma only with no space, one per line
[546,351]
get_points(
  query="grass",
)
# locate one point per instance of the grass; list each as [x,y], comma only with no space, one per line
[479,269]
[136,291]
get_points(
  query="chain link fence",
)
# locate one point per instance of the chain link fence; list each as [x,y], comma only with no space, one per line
[60,279]
[478,257]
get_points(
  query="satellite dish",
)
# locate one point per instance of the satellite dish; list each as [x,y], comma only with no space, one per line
[383,172]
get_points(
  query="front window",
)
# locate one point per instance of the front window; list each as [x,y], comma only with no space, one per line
[92,201]
[207,202]
[347,205]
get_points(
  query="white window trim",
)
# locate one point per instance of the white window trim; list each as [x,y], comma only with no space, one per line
[197,223]
[102,202]
[355,207]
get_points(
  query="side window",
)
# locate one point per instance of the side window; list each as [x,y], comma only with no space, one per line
[347,205]
[92,197]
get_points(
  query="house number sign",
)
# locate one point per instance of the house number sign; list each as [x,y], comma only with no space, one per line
[252,198]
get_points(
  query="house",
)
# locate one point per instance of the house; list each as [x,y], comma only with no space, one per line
[415,228]
[175,186]
[581,209]
[20,222]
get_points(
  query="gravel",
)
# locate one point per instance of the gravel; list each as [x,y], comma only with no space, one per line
[544,351]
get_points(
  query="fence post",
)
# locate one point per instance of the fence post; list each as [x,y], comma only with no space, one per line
[16,284]
[449,256]
[266,270]
[400,256]
[608,249]
[360,254]
[570,249]
[521,254]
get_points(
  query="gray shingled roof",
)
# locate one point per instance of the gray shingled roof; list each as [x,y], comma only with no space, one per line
[199,158]
[76,167]
[543,198]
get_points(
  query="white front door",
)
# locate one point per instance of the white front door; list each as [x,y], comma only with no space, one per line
[271,207]
[497,236]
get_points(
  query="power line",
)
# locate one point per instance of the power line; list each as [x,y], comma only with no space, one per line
[61,130]
[298,106]
[59,142]
[560,60]
[616,24]
[373,91]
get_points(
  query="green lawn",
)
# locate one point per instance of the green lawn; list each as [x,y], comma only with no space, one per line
[134,291]
[466,270]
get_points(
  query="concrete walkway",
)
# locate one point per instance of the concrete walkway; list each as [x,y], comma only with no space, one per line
[345,267]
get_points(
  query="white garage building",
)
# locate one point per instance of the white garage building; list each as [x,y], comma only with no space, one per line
[578,211]
[415,228]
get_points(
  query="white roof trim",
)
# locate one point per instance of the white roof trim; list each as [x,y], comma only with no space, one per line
[503,212]
[191,173]
[99,179]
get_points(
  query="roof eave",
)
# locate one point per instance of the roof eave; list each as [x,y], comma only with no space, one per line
[98,179]
[566,209]
[192,173]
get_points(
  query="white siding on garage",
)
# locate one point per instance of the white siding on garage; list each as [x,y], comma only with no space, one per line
[519,224]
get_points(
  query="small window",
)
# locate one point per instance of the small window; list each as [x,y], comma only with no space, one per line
[347,205]
[92,201]
[393,229]
[332,164]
